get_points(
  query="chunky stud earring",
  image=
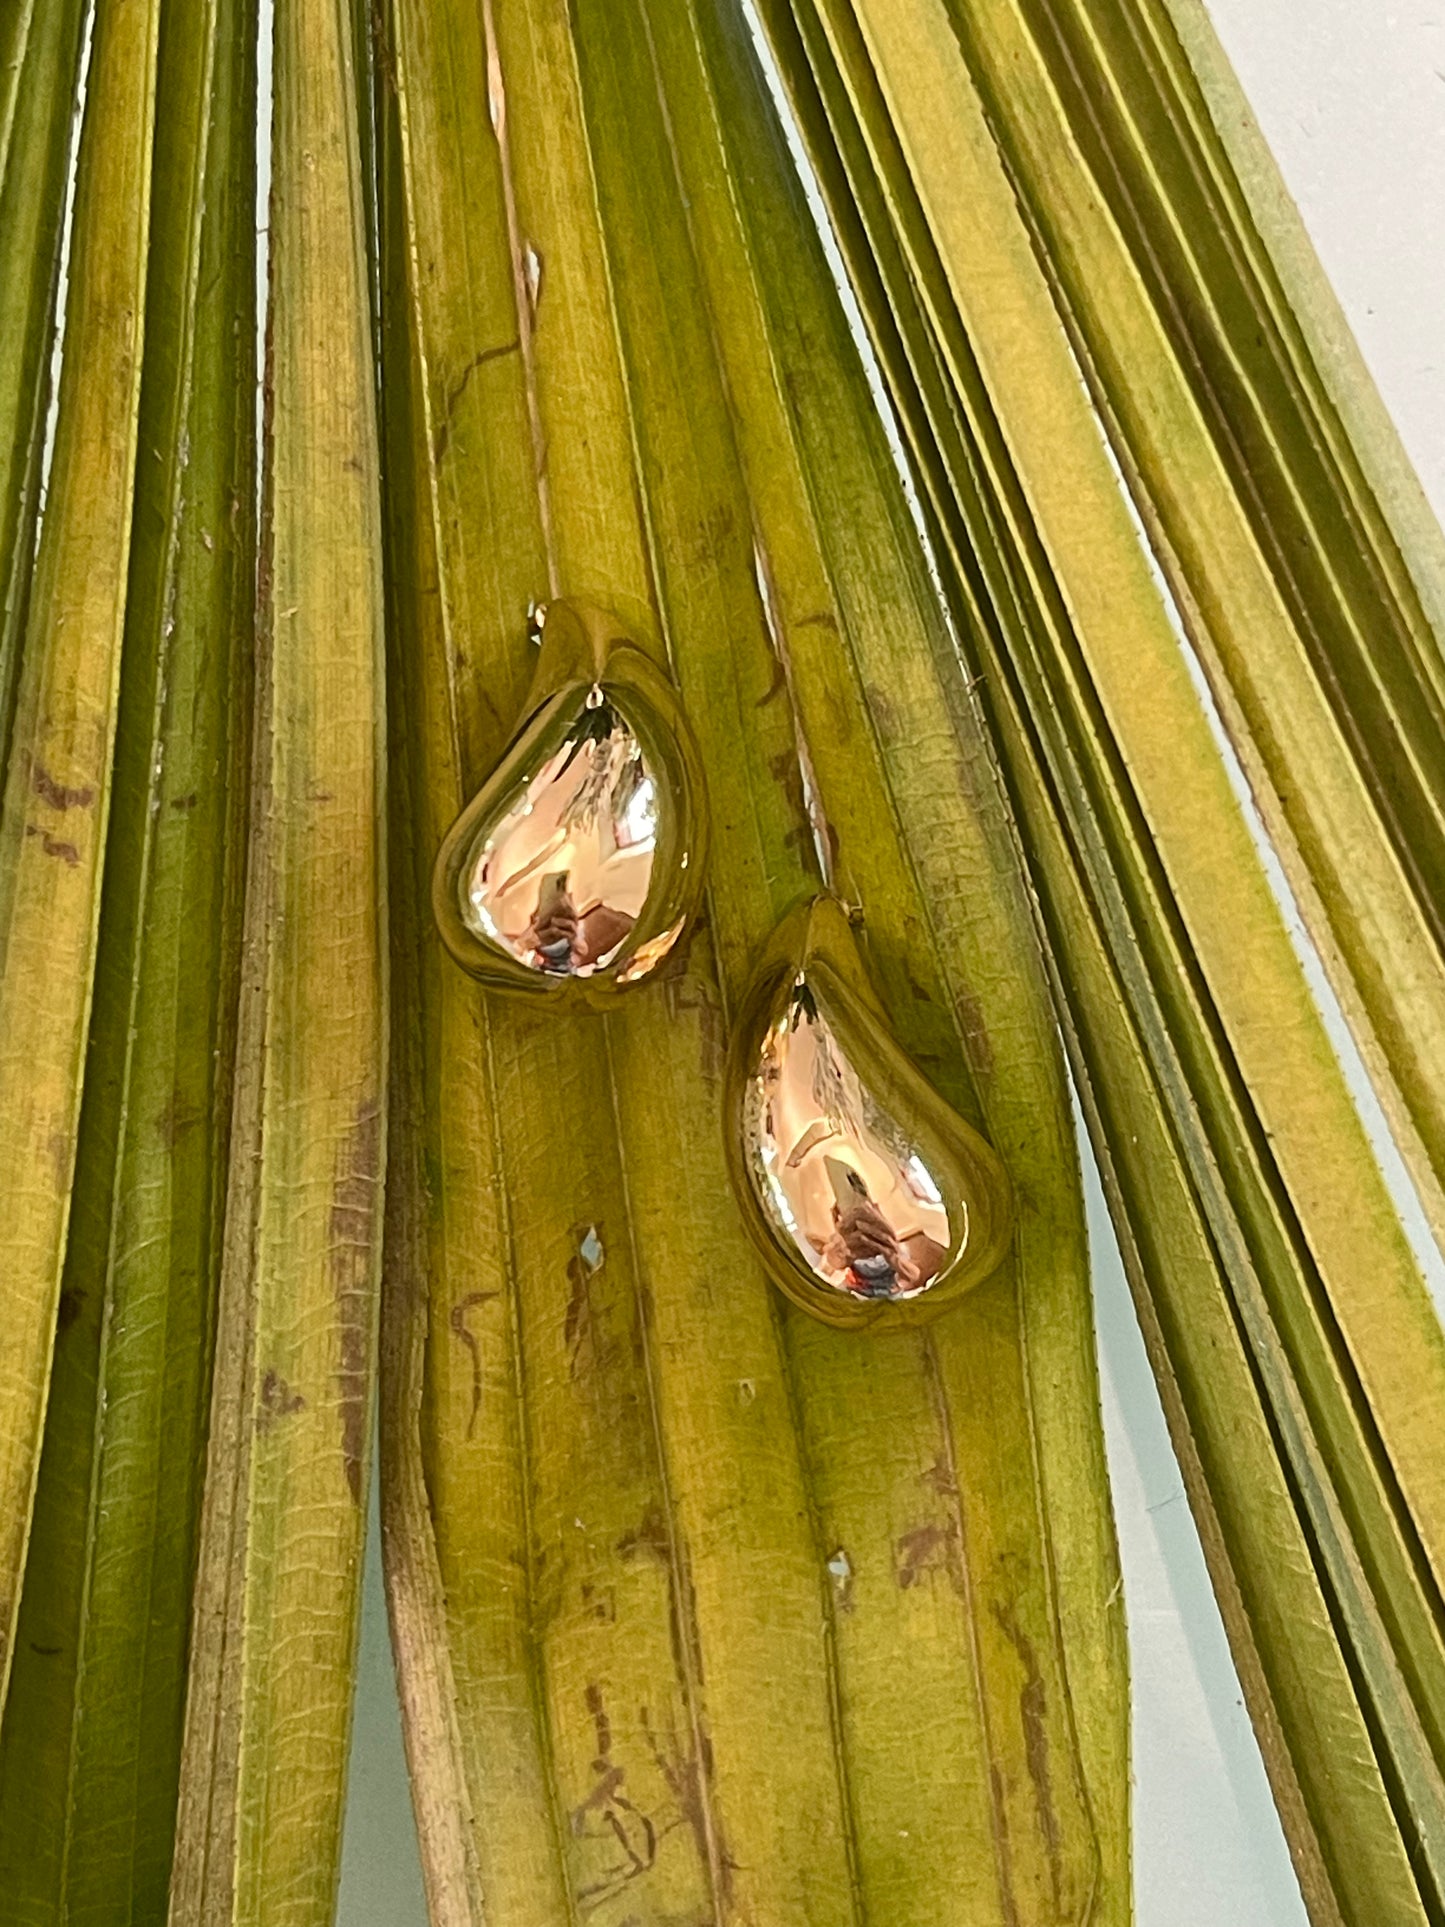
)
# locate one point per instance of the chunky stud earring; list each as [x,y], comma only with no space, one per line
[868,1198]
[577,864]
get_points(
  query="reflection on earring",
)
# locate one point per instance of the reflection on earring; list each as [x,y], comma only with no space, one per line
[580,859]
[869,1199]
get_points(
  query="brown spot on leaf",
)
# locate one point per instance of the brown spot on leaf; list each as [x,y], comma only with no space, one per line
[459,388]
[650,1537]
[885,716]
[776,687]
[976,1040]
[939,1478]
[608,1815]
[597,1708]
[278,1400]
[1033,1712]
[176,1119]
[928,1549]
[457,1319]
[355,1197]
[824,619]
[185,804]
[53,846]
[599,1602]
[59,795]
[69,1308]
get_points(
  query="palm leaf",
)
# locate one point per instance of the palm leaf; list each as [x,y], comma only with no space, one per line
[1311,619]
[40,49]
[52,830]
[89,1750]
[268,1707]
[760,1459]
[1134,832]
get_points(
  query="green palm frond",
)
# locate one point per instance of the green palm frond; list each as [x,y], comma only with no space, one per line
[1028,706]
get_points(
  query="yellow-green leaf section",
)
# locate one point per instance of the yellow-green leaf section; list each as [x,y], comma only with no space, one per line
[1216,1100]
[39,57]
[658,1668]
[57,792]
[90,1745]
[268,1709]
[1317,645]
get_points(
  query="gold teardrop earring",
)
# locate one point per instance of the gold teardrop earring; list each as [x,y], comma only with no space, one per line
[869,1199]
[575,867]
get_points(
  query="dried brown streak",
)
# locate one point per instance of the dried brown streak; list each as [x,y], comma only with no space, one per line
[612,1778]
[642,1325]
[931,1548]
[823,620]
[976,1040]
[176,1119]
[354,1201]
[458,1323]
[278,1400]
[885,716]
[694,993]
[686,1775]
[939,1478]
[578,1327]
[650,1537]
[459,388]
[615,1811]
[619,1832]
[600,1603]
[600,1721]
[58,795]
[52,846]
[776,687]
[947,1462]
[382,51]
[1033,1709]
[785,770]
[660,1533]
[1000,1811]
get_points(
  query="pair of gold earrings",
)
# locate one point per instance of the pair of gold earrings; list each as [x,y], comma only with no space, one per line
[574,872]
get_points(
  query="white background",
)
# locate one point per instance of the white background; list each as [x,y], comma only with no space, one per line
[1351,97]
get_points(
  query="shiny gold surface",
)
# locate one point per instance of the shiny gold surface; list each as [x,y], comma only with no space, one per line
[559,876]
[870,1200]
[576,866]
[835,1173]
